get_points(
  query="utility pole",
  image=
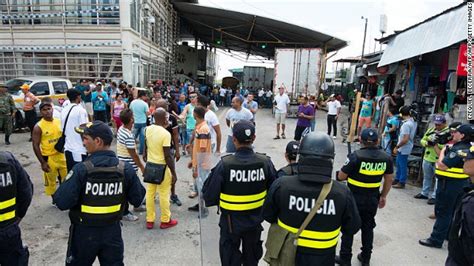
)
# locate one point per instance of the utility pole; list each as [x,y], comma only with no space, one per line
[363,43]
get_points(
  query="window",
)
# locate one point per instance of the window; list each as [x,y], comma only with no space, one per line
[60,87]
[40,89]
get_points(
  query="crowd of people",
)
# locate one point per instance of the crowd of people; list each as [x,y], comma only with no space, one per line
[166,122]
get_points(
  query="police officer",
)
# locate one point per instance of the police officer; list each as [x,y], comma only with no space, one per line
[95,192]
[291,153]
[461,232]
[364,170]
[7,112]
[451,180]
[16,191]
[290,200]
[238,185]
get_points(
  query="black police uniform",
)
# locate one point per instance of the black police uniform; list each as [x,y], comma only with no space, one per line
[16,192]
[95,191]
[238,185]
[365,169]
[290,169]
[450,187]
[290,200]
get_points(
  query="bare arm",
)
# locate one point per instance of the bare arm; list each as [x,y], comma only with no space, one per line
[342,176]
[175,137]
[439,164]
[387,184]
[217,128]
[36,139]
[170,162]
[227,121]
[469,167]
[136,159]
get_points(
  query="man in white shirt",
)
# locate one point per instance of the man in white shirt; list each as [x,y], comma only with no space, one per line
[334,109]
[222,92]
[281,103]
[213,122]
[234,115]
[74,151]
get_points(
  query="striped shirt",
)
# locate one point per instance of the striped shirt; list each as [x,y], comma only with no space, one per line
[125,141]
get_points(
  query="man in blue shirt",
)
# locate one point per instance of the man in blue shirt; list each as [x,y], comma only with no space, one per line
[140,114]
[99,102]
[404,147]
[252,106]
[86,96]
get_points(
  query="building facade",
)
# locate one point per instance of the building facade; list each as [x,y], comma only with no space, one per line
[131,40]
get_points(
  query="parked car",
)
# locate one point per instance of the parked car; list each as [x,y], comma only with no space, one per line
[41,87]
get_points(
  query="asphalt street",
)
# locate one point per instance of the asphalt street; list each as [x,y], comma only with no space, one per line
[45,228]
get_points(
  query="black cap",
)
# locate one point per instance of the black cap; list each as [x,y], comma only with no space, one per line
[244,131]
[45,103]
[369,135]
[292,147]
[72,94]
[466,129]
[96,129]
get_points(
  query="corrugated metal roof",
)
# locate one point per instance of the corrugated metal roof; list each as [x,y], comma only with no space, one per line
[434,34]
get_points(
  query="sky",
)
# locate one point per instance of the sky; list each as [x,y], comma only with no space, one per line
[341,19]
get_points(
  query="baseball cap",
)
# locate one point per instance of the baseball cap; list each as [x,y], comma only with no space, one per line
[96,129]
[292,147]
[332,95]
[25,87]
[466,129]
[243,131]
[369,135]
[98,83]
[439,119]
[454,125]
[45,103]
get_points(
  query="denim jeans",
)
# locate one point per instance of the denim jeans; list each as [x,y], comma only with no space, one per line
[183,136]
[313,124]
[402,168]
[189,135]
[386,145]
[447,194]
[428,176]
[139,132]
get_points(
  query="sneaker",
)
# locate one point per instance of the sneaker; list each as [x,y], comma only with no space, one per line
[432,216]
[277,137]
[341,262]
[194,208]
[150,225]
[169,224]
[174,199]
[193,194]
[283,136]
[333,137]
[420,196]
[399,186]
[362,260]
[7,143]
[129,217]
[431,201]
[394,182]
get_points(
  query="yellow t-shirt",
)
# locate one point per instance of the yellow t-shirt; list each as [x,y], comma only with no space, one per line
[50,133]
[157,137]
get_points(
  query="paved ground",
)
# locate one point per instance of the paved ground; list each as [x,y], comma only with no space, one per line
[45,229]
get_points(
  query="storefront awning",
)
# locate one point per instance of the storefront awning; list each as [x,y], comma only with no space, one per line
[248,33]
[435,33]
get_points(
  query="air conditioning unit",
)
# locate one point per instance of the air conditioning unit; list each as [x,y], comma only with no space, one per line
[151,20]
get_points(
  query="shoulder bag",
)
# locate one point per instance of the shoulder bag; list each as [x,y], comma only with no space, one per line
[281,244]
[59,146]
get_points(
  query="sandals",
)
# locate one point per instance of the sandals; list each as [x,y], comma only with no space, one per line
[282,136]
[277,137]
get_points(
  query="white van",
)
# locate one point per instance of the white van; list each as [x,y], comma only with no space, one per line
[41,87]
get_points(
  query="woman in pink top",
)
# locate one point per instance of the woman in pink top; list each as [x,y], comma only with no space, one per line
[117,106]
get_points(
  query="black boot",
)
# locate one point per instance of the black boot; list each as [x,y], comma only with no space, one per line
[7,139]
[342,262]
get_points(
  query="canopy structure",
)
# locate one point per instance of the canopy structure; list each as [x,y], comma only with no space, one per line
[251,34]
[435,33]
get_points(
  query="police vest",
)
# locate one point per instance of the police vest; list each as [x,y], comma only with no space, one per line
[290,169]
[102,198]
[371,166]
[296,200]
[7,192]
[245,183]
[456,172]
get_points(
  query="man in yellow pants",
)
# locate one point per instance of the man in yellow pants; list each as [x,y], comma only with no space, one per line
[45,135]
[158,152]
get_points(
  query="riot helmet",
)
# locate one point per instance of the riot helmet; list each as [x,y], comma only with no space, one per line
[317,144]
[316,155]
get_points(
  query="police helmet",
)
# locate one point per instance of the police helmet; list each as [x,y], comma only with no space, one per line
[317,144]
